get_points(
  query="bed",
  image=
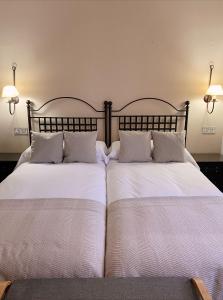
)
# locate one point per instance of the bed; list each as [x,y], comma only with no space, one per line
[164,219]
[53,216]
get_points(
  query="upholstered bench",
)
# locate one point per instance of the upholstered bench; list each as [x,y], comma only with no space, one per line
[105,288]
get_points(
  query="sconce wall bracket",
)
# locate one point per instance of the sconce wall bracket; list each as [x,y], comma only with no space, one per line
[13,101]
[11,92]
[207,98]
[212,92]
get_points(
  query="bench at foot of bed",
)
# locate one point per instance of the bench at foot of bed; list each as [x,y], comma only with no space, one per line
[105,288]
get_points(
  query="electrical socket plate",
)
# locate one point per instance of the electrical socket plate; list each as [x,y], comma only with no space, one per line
[208,130]
[20,131]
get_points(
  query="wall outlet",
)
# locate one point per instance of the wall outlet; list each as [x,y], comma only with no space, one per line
[20,131]
[208,130]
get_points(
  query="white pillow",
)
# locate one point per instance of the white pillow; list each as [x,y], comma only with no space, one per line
[24,157]
[101,154]
[101,151]
[113,153]
[189,158]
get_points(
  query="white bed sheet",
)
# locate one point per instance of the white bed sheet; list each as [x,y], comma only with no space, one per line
[73,180]
[138,180]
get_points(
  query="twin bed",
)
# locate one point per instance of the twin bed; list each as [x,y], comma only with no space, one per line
[163,219]
[53,217]
[176,230]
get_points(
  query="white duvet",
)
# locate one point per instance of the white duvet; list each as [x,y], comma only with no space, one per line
[73,180]
[138,180]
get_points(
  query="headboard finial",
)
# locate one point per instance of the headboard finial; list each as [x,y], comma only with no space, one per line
[28,105]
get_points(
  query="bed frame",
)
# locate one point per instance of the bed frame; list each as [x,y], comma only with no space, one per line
[140,122]
[58,123]
[144,122]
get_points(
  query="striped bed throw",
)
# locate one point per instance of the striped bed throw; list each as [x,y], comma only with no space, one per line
[51,238]
[167,237]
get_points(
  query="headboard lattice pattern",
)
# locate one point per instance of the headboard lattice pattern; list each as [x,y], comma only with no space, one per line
[158,122]
[55,124]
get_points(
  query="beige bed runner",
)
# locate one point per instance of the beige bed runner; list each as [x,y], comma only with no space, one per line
[167,237]
[51,238]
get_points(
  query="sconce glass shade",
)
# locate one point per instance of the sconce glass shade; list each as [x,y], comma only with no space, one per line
[215,90]
[9,91]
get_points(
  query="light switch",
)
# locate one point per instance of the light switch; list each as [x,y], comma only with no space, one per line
[20,131]
[208,130]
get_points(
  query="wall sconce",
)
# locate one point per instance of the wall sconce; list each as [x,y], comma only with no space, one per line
[10,91]
[212,92]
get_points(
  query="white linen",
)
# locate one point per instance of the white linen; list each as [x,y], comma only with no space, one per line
[138,180]
[73,180]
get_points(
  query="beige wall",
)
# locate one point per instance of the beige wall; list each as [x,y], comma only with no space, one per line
[118,50]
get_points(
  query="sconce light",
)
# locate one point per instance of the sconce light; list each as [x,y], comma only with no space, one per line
[212,92]
[10,91]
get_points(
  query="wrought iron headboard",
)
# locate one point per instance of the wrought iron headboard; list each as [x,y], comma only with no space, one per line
[57,123]
[141,122]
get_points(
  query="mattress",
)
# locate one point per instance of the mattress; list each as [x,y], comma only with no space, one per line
[73,180]
[139,180]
